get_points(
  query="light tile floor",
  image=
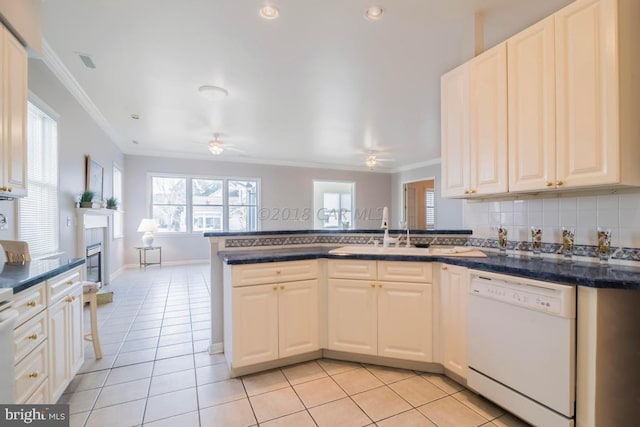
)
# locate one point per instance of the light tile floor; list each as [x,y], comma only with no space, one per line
[156,372]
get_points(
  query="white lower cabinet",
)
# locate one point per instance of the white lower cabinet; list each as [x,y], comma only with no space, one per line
[65,342]
[66,346]
[353,316]
[378,317]
[454,294]
[274,320]
[404,321]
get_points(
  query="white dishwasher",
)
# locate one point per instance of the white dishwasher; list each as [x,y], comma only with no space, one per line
[522,341]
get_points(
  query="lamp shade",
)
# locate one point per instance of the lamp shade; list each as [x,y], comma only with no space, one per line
[148,224]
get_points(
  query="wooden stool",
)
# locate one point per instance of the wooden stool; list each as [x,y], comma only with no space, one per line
[89,294]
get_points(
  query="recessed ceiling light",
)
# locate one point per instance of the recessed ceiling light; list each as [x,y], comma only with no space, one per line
[135,142]
[269,12]
[374,12]
[135,116]
[213,92]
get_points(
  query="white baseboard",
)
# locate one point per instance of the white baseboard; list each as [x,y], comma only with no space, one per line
[117,272]
[170,263]
[216,347]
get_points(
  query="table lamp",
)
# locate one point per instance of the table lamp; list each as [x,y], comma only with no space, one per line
[147,226]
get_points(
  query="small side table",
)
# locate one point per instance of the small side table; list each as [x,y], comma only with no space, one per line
[142,255]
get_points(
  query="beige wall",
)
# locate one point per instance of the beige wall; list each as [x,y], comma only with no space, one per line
[281,187]
[78,135]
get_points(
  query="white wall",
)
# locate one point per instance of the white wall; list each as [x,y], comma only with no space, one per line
[282,187]
[78,135]
[449,212]
[619,211]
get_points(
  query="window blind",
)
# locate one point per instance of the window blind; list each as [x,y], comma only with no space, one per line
[38,212]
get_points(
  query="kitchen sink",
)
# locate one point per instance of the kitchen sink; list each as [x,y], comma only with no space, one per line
[411,251]
[379,250]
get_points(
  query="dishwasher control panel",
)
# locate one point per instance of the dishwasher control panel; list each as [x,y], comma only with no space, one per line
[535,297]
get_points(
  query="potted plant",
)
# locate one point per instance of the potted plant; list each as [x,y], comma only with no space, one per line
[112,203]
[86,199]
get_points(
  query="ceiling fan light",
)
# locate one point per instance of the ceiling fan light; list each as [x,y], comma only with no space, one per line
[371,161]
[216,148]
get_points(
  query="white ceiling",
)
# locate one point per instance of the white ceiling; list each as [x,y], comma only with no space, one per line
[321,85]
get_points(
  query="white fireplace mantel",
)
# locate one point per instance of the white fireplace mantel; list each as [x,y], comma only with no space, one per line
[95,218]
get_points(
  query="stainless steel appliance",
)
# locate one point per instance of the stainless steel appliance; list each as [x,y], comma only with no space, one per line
[522,340]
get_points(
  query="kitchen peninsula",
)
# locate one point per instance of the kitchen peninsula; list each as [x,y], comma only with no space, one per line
[285,270]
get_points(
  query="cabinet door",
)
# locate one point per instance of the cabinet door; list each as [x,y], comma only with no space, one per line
[59,373]
[454,288]
[488,121]
[76,333]
[15,117]
[255,324]
[532,100]
[454,106]
[587,93]
[299,329]
[405,324]
[353,316]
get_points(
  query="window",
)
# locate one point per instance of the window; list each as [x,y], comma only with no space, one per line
[333,204]
[185,204]
[38,212]
[118,226]
[430,207]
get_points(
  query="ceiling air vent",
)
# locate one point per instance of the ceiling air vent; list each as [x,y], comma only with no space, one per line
[86,60]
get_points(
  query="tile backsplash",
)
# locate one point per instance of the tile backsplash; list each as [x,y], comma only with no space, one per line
[619,211]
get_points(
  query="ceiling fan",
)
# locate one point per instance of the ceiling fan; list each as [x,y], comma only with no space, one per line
[372,160]
[217,147]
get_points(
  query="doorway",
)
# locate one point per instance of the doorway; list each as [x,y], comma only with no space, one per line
[420,204]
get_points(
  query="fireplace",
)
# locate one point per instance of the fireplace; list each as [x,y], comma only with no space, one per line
[94,262]
[93,234]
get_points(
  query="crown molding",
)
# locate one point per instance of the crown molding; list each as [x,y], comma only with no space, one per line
[413,166]
[57,67]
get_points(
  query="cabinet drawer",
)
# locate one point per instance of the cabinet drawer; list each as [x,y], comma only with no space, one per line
[29,303]
[257,274]
[352,269]
[31,372]
[62,285]
[29,335]
[41,395]
[404,271]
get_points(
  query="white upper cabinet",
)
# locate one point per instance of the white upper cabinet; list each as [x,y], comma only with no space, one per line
[474,126]
[596,52]
[13,116]
[531,104]
[455,132]
[573,102]
[488,121]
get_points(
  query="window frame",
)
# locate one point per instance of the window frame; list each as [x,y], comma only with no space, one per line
[189,200]
[118,214]
[317,220]
[45,109]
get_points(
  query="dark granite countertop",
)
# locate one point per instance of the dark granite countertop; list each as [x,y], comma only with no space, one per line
[22,276]
[551,270]
[334,231]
